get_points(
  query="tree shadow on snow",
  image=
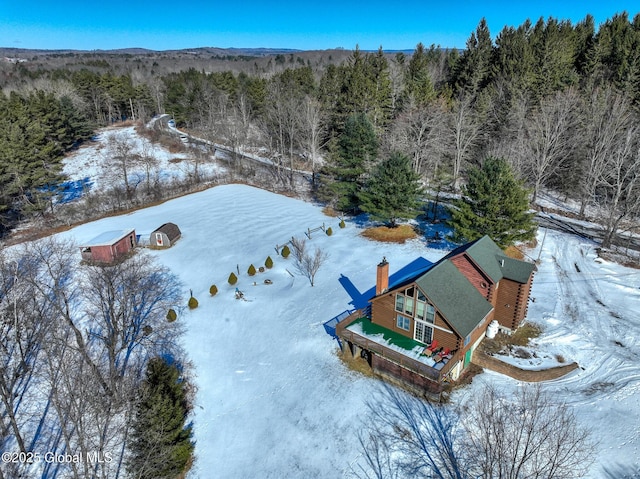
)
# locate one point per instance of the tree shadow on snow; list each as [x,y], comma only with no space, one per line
[621,471]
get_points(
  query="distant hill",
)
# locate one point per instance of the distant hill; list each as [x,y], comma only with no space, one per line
[156,63]
[261,61]
[208,51]
[11,52]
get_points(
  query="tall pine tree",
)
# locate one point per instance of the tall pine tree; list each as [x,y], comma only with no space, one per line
[341,179]
[393,191]
[472,71]
[418,85]
[161,445]
[493,203]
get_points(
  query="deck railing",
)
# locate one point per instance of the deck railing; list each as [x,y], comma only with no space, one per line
[388,353]
[330,325]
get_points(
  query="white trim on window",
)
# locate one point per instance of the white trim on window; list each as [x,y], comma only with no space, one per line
[423,332]
[403,322]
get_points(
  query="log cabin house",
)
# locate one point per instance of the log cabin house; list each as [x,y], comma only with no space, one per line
[422,330]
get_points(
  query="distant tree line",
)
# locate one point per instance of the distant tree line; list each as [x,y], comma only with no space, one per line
[556,100]
[36,129]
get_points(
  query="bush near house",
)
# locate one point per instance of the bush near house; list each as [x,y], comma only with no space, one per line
[193,303]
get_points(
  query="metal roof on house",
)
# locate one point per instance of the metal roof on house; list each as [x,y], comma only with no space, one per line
[462,306]
[108,238]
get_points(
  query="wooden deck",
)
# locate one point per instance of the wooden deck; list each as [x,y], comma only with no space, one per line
[389,354]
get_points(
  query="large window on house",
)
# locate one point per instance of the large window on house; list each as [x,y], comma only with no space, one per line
[400,302]
[413,302]
[408,305]
[405,301]
[424,311]
[423,332]
[402,322]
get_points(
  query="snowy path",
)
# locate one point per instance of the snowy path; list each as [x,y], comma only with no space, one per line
[590,313]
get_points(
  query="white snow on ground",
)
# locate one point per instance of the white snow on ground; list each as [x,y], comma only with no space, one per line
[274,400]
[87,160]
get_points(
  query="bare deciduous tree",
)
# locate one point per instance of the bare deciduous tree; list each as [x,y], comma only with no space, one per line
[150,163]
[312,129]
[417,435]
[75,339]
[24,328]
[282,125]
[306,263]
[464,130]
[620,184]
[527,435]
[421,133]
[607,118]
[119,159]
[376,454]
[197,157]
[550,137]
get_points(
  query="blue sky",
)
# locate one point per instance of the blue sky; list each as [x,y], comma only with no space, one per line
[164,25]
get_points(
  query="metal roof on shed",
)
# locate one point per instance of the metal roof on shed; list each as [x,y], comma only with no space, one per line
[108,238]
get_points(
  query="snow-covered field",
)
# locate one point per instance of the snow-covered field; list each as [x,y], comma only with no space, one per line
[274,400]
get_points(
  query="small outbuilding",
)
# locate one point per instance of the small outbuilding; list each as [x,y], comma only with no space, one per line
[109,246]
[165,236]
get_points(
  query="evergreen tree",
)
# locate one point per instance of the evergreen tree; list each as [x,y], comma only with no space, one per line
[418,84]
[393,191]
[379,106]
[554,50]
[361,85]
[341,179]
[493,203]
[617,53]
[35,131]
[514,58]
[161,445]
[472,71]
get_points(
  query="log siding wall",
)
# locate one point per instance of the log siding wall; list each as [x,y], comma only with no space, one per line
[383,313]
[512,302]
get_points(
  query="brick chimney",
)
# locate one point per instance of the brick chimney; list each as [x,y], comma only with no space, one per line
[382,277]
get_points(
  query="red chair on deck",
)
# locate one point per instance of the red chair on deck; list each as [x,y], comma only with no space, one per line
[431,349]
[441,355]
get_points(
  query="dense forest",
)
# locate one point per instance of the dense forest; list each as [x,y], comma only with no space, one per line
[558,101]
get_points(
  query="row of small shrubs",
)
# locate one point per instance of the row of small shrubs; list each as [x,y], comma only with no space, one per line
[251,271]
[233,279]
